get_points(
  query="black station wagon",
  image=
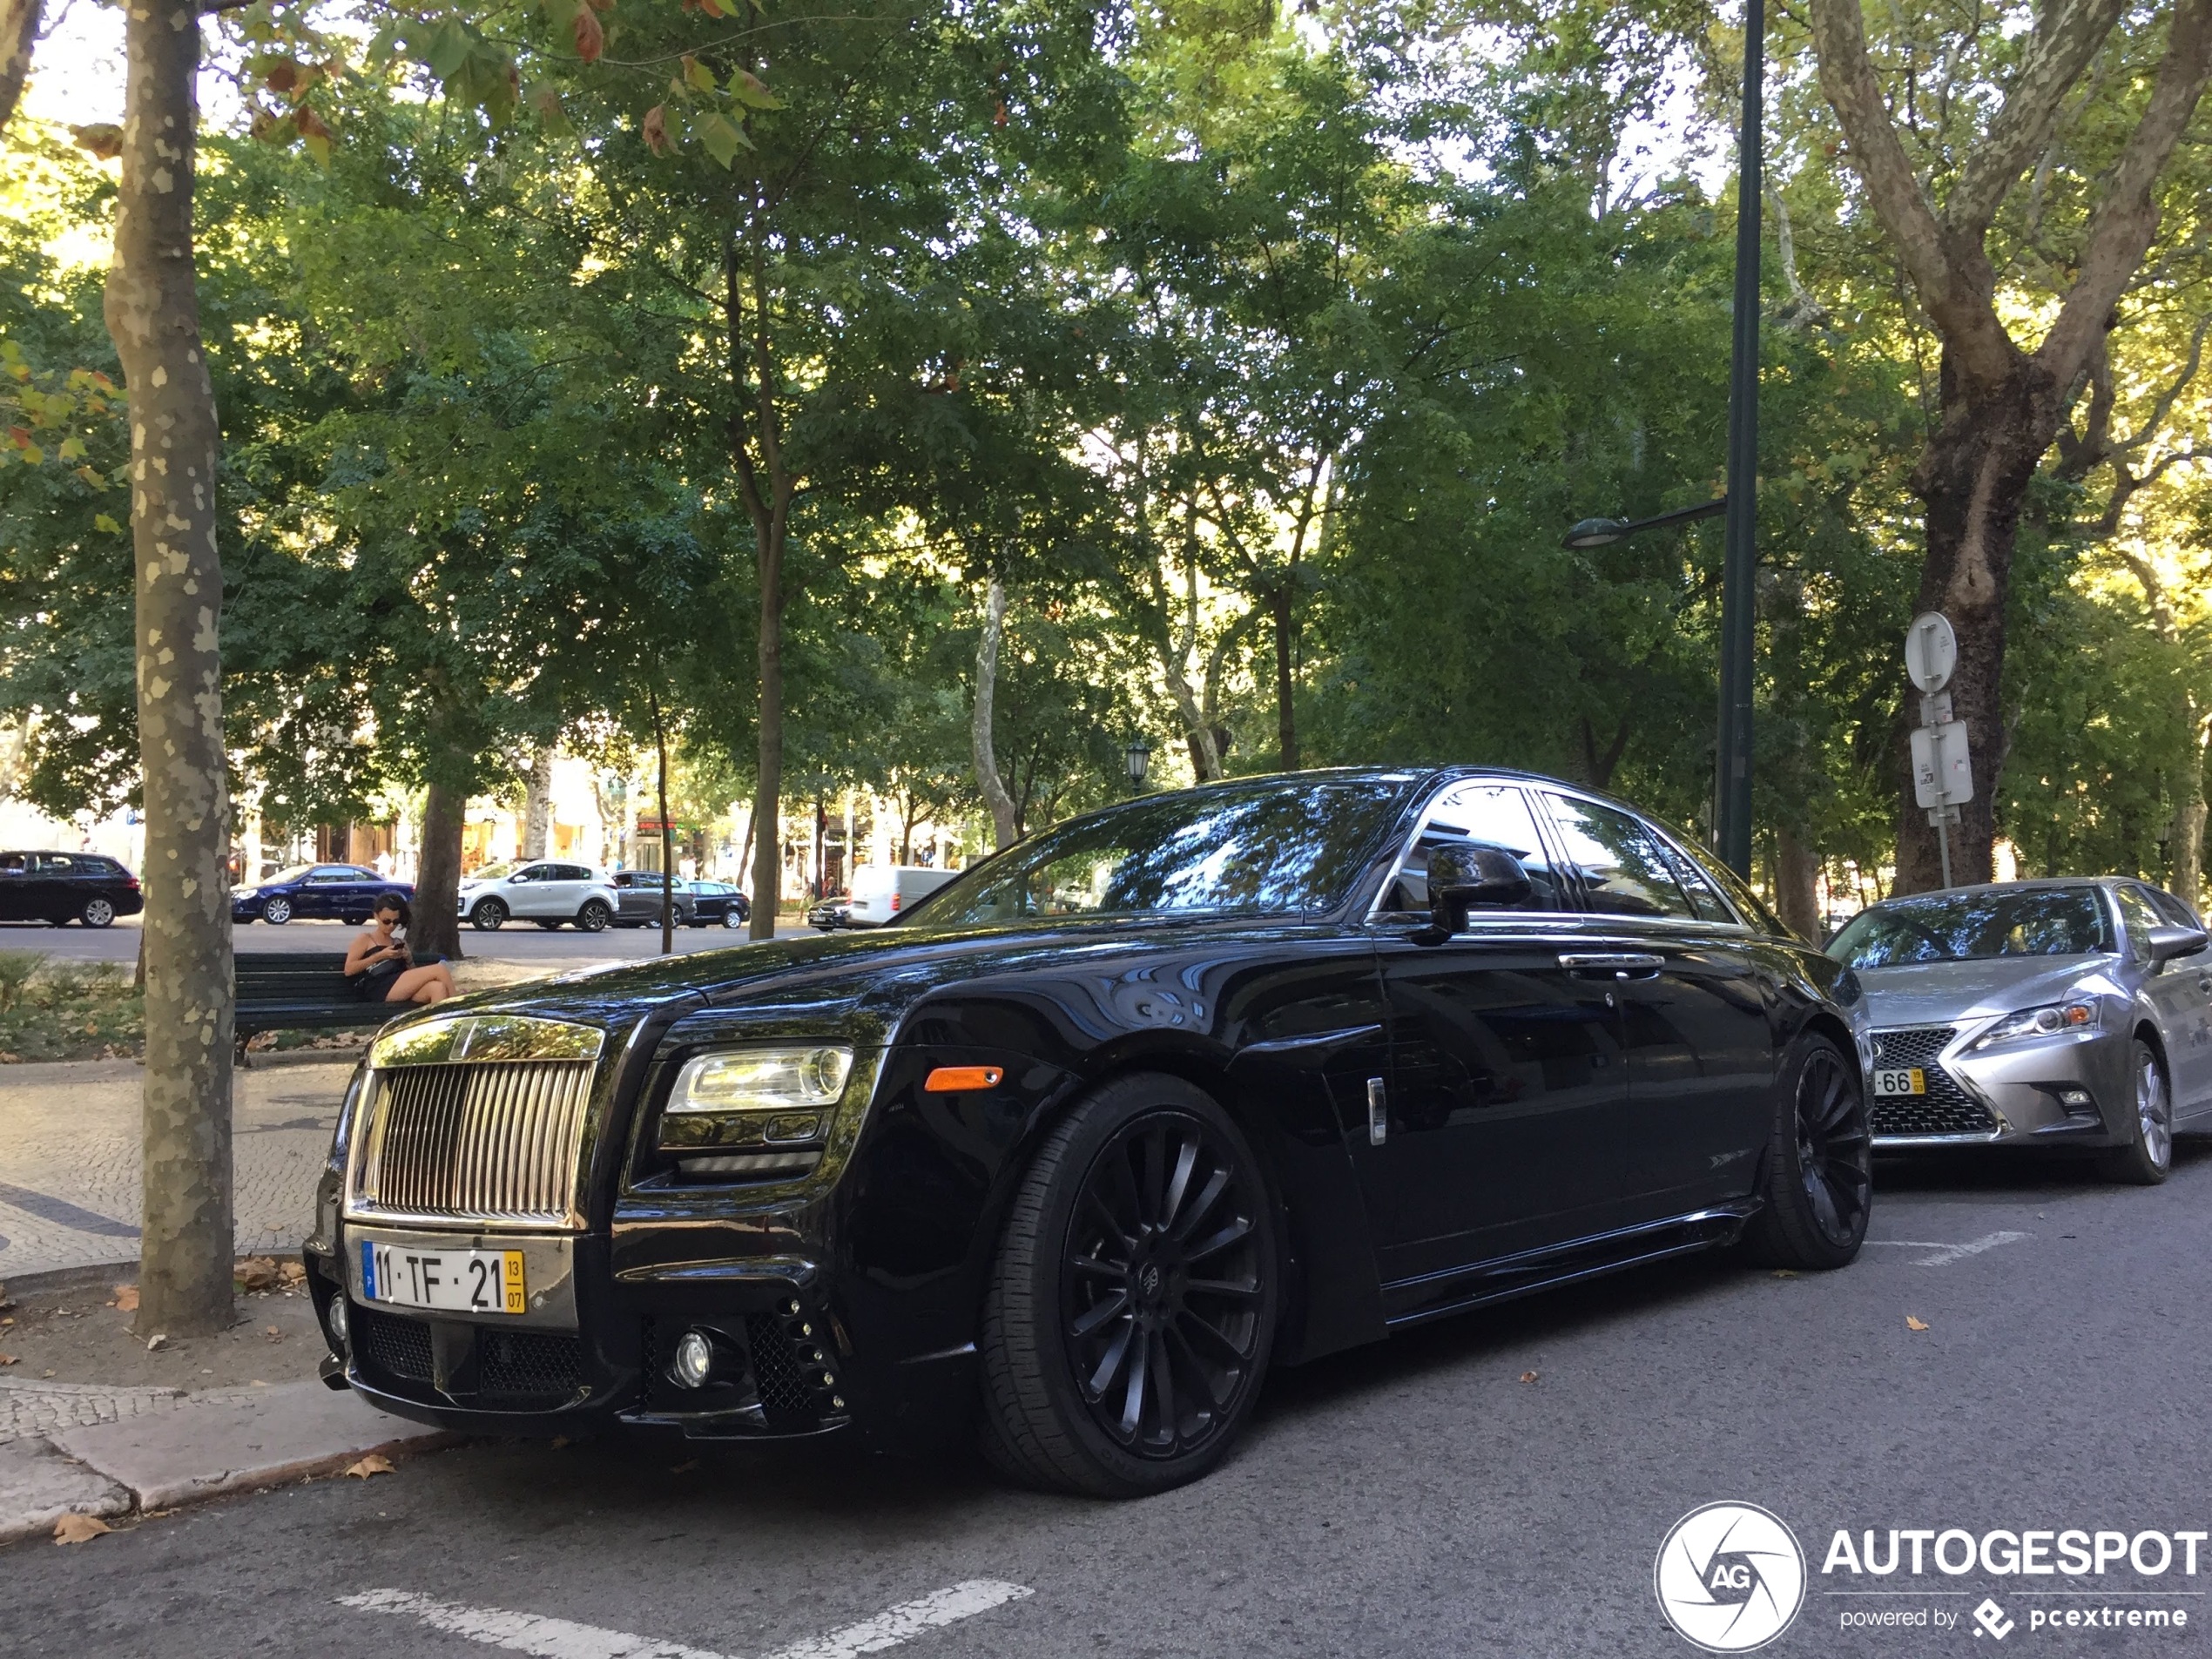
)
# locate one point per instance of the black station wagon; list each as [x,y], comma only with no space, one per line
[1200,1084]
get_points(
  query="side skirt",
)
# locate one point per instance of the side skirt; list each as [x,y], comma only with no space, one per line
[1434,1296]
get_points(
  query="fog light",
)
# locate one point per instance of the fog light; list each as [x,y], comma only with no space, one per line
[2075,1098]
[694,1359]
[334,1322]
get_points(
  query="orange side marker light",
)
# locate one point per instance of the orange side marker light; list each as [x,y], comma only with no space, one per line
[953,1080]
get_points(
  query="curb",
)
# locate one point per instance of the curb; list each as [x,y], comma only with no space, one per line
[160,1462]
[98,1276]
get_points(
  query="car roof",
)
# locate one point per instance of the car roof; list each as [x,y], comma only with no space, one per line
[2031,884]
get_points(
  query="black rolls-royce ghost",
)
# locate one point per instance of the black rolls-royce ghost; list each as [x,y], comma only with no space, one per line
[1202,1082]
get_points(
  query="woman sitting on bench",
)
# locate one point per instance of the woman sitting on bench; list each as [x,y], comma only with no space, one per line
[381,968]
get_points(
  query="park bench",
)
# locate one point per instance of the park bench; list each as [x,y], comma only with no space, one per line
[297,990]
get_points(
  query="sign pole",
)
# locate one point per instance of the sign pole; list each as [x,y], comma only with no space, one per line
[1942,767]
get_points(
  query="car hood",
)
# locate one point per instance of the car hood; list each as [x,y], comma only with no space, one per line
[860,983]
[1956,992]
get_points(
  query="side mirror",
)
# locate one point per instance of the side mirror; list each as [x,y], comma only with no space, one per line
[2167,943]
[1464,876]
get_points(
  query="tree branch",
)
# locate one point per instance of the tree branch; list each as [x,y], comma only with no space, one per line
[2126,218]
[2067,35]
[1951,273]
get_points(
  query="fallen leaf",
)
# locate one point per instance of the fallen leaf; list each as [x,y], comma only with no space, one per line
[155,1343]
[292,1272]
[1785,1272]
[685,1469]
[7,1359]
[126,1298]
[560,1441]
[1528,1376]
[374,1463]
[256,1272]
[1915,1324]
[79,1529]
[271,1330]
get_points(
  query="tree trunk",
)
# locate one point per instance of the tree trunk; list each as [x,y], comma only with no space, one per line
[1973,478]
[437,879]
[2189,816]
[18,34]
[1006,828]
[1285,708]
[767,795]
[1797,892]
[537,804]
[153,316]
[667,836]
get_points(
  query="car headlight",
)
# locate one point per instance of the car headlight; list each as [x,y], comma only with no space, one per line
[2052,1020]
[784,1079]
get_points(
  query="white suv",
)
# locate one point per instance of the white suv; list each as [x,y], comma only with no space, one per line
[546,893]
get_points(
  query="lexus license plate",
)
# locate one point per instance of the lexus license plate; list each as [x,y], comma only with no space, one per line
[1901,1080]
[452,1281]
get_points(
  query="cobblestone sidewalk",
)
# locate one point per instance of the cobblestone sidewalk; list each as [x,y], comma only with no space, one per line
[70,1160]
[30,1407]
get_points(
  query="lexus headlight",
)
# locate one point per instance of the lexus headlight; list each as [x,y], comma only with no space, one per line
[762,1080]
[2052,1020]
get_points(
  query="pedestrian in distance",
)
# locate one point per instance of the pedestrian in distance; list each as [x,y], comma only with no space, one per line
[381,967]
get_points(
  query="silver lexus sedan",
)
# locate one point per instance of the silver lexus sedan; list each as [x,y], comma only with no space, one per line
[2063,1013]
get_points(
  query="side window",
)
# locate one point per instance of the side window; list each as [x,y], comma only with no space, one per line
[15,864]
[1495,814]
[1623,865]
[2174,909]
[57,864]
[1703,897]
[2136,908]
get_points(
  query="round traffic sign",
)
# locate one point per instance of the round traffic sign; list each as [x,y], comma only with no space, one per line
[1930,650]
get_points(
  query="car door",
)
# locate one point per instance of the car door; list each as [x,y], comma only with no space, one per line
[1694,995]
[2179,989]
[321,893]
[352,893]
[19,880]
[566,891]
[528,891]
[1498,1129]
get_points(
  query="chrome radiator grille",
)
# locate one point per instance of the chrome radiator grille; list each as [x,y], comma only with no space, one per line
[486,1141]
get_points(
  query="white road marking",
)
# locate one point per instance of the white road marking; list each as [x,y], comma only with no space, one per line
[547,1638]
[1942,1254]
[894,1625]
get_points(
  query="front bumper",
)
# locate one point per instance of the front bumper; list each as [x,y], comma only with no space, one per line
[2065,1090]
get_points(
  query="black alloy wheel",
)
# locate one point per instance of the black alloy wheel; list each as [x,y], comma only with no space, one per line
[1819,1180]
[595,917]
[1133,1309]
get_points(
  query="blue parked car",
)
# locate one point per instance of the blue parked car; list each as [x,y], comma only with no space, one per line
[333,892]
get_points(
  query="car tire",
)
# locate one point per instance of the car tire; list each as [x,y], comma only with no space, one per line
[489,917]
[595,917]
[1818,1181]
[732,919]
[1144,1181]
[98,913]
[276,912]
[2147,1158]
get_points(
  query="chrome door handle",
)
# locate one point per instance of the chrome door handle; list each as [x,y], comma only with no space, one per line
[1621,964]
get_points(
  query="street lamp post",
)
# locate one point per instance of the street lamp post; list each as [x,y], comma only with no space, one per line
[1138,758]
[1732,781]
[1732,747]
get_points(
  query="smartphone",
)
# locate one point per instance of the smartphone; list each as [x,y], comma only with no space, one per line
[399,935]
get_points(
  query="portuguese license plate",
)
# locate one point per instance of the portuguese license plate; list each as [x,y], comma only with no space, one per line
[1901,1080]
[452,1281]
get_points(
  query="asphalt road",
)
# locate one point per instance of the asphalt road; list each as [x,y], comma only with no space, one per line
[560,950]
[1416,1498]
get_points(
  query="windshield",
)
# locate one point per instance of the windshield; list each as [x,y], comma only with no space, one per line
[1273,848]
[1975,927]
[297,873]
[489,873]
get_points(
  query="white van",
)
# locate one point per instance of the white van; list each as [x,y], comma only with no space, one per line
[881,891]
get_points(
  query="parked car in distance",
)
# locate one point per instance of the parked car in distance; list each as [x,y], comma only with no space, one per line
[314,891]
[59,888]
[831,914]
[2052,1014]
[881,892]
[1094,1136]
[548,892]
[638,899]
[718,904]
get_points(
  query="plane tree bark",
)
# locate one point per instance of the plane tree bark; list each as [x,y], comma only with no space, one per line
[19,22]
[153,314]
[2001,405]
